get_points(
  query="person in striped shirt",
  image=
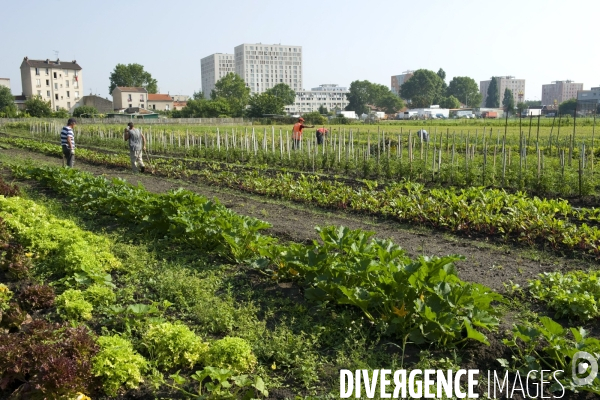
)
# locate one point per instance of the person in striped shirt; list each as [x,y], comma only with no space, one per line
[67,141]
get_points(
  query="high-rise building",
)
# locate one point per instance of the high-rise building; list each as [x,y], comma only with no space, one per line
[330,96]
[213,68]
[263,66]
[559,91]
[398,81]
[517,86]
[58,81]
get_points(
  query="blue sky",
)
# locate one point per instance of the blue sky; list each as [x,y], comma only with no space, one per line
[538,40]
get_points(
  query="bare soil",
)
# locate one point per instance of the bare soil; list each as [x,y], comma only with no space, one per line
[486,262]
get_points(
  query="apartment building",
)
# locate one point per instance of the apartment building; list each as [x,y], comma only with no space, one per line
[5,82]
[329,95]
[517,86]
[58,81]
[129,97]
[263,66]
[213,68]
[559,91]
[398,81]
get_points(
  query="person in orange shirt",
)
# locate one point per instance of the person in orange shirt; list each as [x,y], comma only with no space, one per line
[297,132]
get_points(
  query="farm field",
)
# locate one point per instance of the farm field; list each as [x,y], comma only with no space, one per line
[243,289]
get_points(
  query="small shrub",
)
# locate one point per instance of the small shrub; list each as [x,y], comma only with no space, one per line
[174,345]
[72,306]
[36,297]
[118,364]
[5,296]
[231,353]
[47,361]
[100,295]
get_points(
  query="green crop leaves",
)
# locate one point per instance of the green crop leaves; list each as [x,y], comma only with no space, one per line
[422,297]
[572,294]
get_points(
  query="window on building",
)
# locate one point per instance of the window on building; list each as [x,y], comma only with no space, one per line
[130,105]
[129,98]
[66,72]
[37,71]
[68,104]
[39,93]
[141,105]
[141,97]
[48,93]
[47,71]
[55,75]
[56,86]
[57,108]
[38,83]
[47,82]
[67,84]
[68,94]
[56,96]
[76,95]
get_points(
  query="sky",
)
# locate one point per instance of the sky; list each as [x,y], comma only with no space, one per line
[342,41]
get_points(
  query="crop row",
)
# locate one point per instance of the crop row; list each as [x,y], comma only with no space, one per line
[556,165]
[472,211]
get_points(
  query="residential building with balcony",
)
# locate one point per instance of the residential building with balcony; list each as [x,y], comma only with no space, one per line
[398,81]
[160,102]
[59,82]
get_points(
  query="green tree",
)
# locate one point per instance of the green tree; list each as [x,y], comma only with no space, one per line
[322,109]
[568,107]
[198,95]
[314,118]
[87,110]
[493,96]
[283,92]
[132,75]
[232,89]
[521,106]
[465,89]
[508,102]
[203,108]
[36,107]
[450,102]
[442,74]
[424,88]
[61,113]
[361,94]
[7,101]
[263,104]
[533,103]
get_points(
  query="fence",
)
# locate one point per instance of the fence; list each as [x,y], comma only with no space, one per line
[159,121]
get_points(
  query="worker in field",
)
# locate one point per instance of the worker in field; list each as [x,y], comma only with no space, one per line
[67,142]
[137,144]
[321,133]
[423,135]
[297,132]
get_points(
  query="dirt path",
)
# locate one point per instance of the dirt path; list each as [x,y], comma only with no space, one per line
[485,263]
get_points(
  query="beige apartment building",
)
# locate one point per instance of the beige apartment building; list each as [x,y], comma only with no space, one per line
[58,81]
[213,68]
[517,86]
[160,102]
[398,81]
[263,66]
[129,97]
[559,91]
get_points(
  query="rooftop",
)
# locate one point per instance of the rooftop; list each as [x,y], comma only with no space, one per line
[132,89]
[51,64]
[159,97]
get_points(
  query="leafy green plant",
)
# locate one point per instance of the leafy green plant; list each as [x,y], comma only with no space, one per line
[117,364]
[231,353]
[47,361]
[423,297]
[223,384]
[5,295]
[572,294]
[174,345]
[547,345]
[135,318]
[36,297]
[72,306]
[100,295]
